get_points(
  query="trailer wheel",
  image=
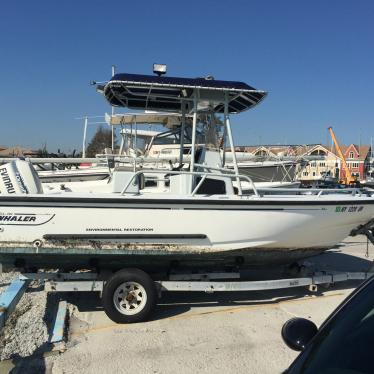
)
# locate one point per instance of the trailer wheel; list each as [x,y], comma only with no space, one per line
[129,296]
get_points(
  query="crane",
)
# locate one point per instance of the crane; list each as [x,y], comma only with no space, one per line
[348,178]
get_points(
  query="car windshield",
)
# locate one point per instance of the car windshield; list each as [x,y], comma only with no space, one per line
[345,344]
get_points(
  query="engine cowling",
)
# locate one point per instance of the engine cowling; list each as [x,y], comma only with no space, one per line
[19,177]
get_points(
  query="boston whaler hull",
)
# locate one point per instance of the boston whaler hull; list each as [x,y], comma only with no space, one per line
[71,231]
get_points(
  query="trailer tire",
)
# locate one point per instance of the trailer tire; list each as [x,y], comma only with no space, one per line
[129,296]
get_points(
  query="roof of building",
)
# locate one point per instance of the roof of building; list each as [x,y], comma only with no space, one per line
[16,151]
[363,151]
[307,149]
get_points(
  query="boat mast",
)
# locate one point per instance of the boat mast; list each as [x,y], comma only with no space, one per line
[229,133]
[193,140]
[136,141]
[223,142]
[183,124]
[113,72]
[84,137]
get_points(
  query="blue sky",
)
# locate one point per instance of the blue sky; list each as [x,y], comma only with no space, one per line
[315,58]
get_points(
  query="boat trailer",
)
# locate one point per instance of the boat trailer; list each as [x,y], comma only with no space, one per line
[367,229]
[141,291]
[199,282]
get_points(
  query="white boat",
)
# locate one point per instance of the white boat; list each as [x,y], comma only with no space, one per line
[164,148]
[202,217]
[368,180]
[74,174]
[150,149]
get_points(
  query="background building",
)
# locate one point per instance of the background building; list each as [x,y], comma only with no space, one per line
[321,163]
[318,162]
[357,158]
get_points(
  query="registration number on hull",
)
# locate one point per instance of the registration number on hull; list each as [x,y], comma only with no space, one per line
[349,209]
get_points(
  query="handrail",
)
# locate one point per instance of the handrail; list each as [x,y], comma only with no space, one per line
[215,168]
[315,191]
[233,176]
[140,159]
[225,170]
[199,185]
[167,149]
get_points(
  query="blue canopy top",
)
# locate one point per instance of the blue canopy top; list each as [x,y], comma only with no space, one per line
[166,93]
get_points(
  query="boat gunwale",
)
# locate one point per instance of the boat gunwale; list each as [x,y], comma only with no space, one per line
[12,200]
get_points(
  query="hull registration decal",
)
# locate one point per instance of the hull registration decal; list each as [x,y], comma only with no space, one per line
[349,209]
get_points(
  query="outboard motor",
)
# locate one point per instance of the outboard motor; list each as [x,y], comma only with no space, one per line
[19,177]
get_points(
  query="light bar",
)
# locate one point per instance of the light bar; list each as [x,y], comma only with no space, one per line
[159,69]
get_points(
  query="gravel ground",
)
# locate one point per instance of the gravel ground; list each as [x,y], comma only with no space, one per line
[26,331]
[6,278]
[189,333]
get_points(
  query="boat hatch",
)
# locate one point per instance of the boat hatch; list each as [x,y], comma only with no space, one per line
[150,92]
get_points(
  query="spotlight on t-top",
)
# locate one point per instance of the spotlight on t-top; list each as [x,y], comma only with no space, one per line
[159,69]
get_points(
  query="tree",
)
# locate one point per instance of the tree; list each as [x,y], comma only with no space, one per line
[43,152]
[101,140]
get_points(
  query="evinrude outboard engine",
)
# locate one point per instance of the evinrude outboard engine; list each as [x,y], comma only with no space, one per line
[19,177]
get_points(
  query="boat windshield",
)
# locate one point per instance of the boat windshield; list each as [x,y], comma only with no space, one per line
[166,138]
[173,137]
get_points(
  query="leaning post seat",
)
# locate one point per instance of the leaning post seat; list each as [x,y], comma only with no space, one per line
[121,177]
[19,177]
